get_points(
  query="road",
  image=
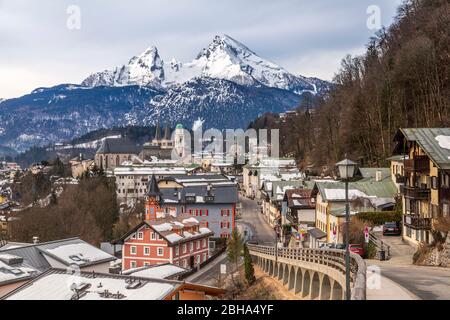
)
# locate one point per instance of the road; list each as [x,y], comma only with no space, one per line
[427,283]
[253,222]
[256,228]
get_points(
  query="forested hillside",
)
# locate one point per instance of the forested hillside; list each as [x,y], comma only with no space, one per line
[403,80]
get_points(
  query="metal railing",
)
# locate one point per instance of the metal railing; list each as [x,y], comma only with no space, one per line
[332,258]
[380,245]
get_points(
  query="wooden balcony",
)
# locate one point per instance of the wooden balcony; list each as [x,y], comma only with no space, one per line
[419,164]
[415,193]
[444,195]
[400,179]
[417,222]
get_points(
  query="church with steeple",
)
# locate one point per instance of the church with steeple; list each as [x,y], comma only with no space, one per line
[160,147]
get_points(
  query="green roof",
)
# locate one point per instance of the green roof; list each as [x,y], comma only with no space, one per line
[179,126]
[426,139]
[381,189]
[372,172]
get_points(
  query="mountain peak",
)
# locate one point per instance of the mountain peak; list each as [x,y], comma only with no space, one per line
[224,58]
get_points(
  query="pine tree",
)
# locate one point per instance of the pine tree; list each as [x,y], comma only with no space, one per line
[234,247]
[248,265]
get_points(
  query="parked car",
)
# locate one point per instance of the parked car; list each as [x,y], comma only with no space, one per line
[357,248]
[391,228]
[340,246]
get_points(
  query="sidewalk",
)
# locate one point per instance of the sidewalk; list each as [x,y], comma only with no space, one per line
[386,289]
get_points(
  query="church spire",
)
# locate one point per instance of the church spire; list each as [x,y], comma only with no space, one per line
[158,132]
[167,132]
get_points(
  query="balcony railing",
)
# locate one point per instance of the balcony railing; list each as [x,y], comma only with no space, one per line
[416,193]
[444,194]
[417,222]
[418,164]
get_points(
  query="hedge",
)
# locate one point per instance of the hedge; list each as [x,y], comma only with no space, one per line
[379,218]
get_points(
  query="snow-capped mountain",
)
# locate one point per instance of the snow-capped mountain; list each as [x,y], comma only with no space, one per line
[225,58]
[227,85]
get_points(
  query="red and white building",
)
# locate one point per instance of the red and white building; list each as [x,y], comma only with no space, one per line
[163,238]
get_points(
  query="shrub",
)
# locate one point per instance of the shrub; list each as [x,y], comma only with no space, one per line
[379,218]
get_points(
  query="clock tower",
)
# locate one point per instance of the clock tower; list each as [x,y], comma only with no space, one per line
[153,201]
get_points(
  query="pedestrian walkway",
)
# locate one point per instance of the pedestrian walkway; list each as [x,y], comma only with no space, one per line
[382,288]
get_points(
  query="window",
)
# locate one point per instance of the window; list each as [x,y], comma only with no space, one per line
[153,236]
[160,251]
[204,257]
[146,264]
[160,237]
[191,246]
[177,250]
[204,243]
[225,212]
[140,236]
[204,224]
[445,210]
[147,251]
[133,250]
[184,263]
[133,264]
[198,244]
[434,183]
[197,259]
[225,224]
[184,248]
[133,236]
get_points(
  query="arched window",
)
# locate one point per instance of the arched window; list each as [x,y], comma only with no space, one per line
[117,161]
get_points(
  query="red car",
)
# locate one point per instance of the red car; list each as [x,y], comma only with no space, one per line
[357,248]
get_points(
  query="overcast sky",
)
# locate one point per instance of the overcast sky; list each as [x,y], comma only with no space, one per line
[304,36]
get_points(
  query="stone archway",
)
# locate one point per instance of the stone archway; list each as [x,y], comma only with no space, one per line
[285,274]
[275,270]
[306,284]
[291,281]
[325,289]
[280,271]
[315,286]
[336,291]
[271,263]
[298,281]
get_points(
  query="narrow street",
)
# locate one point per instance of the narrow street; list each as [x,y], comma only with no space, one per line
[253,222]
[256,228]
[428,283]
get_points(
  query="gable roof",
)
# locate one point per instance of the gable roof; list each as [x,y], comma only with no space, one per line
[168,227]
[334,191]
[299,198]
[435,142]
[118,146]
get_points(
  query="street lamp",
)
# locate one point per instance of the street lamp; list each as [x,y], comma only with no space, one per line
[346,171]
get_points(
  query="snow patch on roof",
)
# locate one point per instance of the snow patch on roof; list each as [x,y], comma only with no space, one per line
[78,253]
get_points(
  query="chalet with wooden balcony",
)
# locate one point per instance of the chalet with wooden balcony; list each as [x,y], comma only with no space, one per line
[425,186]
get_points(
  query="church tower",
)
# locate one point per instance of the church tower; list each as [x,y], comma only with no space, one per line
[153,201]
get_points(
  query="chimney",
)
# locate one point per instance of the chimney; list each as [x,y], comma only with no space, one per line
[35,240]
[378,176]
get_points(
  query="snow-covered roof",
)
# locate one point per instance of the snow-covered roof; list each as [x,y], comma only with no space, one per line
[12,269]
[163,271]
[78,253]
[59,285]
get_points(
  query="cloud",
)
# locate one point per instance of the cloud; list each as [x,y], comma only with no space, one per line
[305,37]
